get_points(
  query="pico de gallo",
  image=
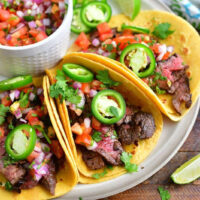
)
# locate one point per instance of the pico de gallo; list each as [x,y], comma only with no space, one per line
[101,119]
[141,51]
[30,153]
[25,22]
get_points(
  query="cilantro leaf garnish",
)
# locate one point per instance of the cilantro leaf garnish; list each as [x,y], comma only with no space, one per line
[8,186]
[10,126]
[164,194]
[23,102]
[3,111]
[130,167]
[8,161]
[162,30]
[99,175]
[159,91]
[62,89]
[109,47]
[97,136]
[104,77]
[114,111]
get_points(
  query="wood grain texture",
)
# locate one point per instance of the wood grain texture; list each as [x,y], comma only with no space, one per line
[148,189]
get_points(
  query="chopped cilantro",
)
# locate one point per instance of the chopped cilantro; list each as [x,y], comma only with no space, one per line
[39,128]
[104,77]
[24,100]
[3,111]
[8,186]
[125,158]
[110,167]
[46,149]
[34,115]
[159,91]
[60,76]
[115,133]
[109,47]
[99,175]
[164,194]
[29,18]
[114,111]
[31,165]
[158,76]
[112,55]
[7,161]
[162,30]
[48,31]
[10,126]
[97,136]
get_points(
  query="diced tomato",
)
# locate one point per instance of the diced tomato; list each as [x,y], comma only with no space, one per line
[4,15]
[32,156]
[3,25]
[77,129]
[27,41]
[20,32]
[155,48]
[84,139]
[145,80]
[14,42]
[105,36]
[41,36]
[6,101]
[54,8]
[2,132]
[96,124]
[166,56]
[85,88]
[32,118]
[82,41]
[124,41]
[13,20]
[127,32]
[56,149]
[104,28]
[33,32]
[2,34]
[39,111]
[27,89]
[3,41]
[87,130]
[96,85]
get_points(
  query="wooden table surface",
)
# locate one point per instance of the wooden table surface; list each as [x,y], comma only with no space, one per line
[148,189]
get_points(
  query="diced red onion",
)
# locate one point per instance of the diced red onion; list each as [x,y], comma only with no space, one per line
[37,149]
[20,14]
[34,7]
[87,122]
[40,158]
[25,111]
[47,3]
[41,8]
[93,93]
[48,10]
[46,22]
[8,37]
[10,1]
[82,102]
[48,156]
[162,49]
[23,120]
[37,177]
[12,96]
[39,134]
[61,5]
[19,26]
[31,96]
[77,85]
[32,24]
[72,107]
[95,42]
[106,54]
[28,4]
[94,146]
[170,49]
[17,94]
[39,91]
[43,170]
[104,129]
[38,1]
[18,113]
[100,51]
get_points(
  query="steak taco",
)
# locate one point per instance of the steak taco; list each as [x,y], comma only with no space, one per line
[34,160]
[159,53]
[109,121]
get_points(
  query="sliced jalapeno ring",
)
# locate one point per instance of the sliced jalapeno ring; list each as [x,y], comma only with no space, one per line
[20,142]
[87,1]
[146,72]
[95,12]
[16,82]
[78,73]
[108,106]
[135,29]
[77,24]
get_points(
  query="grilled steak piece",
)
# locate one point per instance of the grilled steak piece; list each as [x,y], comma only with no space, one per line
[144,125]
[49,180]
[125,134]
[27,183]
[92,159]
[109,147]
[13,173]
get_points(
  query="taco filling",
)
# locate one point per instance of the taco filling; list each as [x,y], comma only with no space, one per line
[156,64]
[102,122]
[30,153]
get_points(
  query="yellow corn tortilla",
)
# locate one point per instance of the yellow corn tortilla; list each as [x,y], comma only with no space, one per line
[132,94]
[67,177]
[186,43]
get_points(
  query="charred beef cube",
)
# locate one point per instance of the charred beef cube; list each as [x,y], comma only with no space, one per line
[49,180]
[27,183]
[92,159]
[13,173]
[125,134]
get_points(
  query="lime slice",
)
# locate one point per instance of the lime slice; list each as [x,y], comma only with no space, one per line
[130,8]
[187,172]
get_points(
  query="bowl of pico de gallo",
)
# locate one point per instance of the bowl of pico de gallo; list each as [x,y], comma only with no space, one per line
[34,35]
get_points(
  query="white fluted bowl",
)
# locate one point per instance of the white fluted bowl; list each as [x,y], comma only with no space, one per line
[35,58]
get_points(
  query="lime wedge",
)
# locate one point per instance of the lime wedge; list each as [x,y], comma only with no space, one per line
[130,8]
[187,172]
